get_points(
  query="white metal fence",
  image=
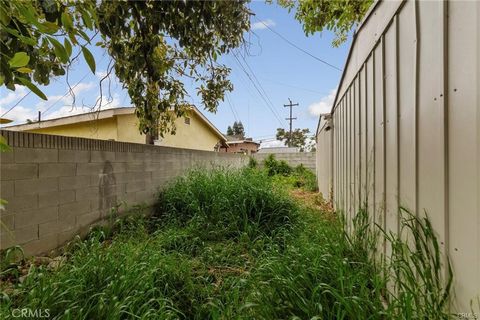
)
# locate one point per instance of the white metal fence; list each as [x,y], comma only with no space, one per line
[406,127]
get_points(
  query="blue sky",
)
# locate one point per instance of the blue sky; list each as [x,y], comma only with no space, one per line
[282,71]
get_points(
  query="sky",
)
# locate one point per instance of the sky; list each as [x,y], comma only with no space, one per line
[279,70]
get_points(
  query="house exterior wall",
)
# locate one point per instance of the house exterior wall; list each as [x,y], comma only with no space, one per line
[56,187]
[103,129]
[127,129]
[248,147]
[406,127]
[196,135]
[124,127]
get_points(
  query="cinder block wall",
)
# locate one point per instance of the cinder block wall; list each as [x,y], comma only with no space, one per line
[56,187]
[308,159]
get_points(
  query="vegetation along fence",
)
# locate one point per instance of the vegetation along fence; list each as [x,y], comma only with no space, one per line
[307,159]
[56,187]
[405,128]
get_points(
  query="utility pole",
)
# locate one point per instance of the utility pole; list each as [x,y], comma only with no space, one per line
[290,105]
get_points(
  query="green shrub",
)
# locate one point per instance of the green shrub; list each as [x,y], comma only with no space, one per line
[274,167]
[252,163]
[224,204]
[300,177]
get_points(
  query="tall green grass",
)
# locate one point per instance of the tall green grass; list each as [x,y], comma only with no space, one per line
[227,244]
[222,204]
[282,174]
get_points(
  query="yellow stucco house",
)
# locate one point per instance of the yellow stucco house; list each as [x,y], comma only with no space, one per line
[194,131]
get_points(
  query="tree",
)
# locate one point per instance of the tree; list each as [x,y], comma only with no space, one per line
[338,16]
[236,130]
[154,46]
[30,36]
[297,139]
[240,131]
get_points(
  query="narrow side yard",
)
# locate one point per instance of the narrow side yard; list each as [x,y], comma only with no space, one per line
[220,244]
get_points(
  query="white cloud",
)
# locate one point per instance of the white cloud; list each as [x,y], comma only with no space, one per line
[101,74]
[67,110]
[84,86]
[263,24]
[67,100]
[63,104]
[322,106]
[20,114]
[12,96]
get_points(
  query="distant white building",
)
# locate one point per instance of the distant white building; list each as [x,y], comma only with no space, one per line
[279,150]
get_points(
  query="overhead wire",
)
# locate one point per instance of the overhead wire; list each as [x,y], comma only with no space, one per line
[16,104]
[258,90]
[259,84]
[70,89]
[291,86]
[297,47]
[62,97]
[232,108]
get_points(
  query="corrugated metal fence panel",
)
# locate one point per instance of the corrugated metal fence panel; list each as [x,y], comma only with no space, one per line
[406,127]
[463,140]
[324,163]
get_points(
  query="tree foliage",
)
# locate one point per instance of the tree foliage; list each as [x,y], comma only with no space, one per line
[230,131]
[37,39]
[154,45]
[238,129]
[298,138]
[338,16]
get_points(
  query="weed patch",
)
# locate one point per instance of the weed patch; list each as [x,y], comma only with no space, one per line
[233,245]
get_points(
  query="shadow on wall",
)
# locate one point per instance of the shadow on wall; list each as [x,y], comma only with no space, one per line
[107,192]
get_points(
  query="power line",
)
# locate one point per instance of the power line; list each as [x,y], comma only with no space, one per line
[256,88]
[234,112]
[291,86]
[70,89]
[290,105]
[259,84]
[67,93]
[299,48]
[16,104]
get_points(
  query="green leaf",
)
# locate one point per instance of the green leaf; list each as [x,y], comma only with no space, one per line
[15,33]
[83,35]
[60,51]
[89,58]
[32,87]
[4,17]
[50,27]
[20,59]
[68,47]
[86,19]
[67,21]
[24,70]
[2,79]
[72,38]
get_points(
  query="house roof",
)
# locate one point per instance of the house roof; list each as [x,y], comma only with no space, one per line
[239,138]
[97,115]
[243,141]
